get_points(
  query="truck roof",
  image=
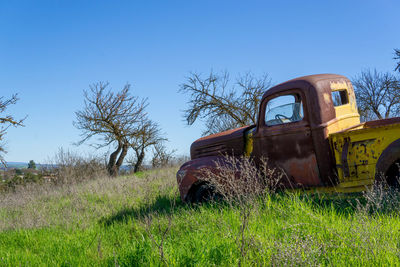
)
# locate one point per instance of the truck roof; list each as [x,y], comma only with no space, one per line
[303,81]
[317,89]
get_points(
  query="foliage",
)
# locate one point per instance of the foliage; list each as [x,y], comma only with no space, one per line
[20,180]
[224,105]
[378,94]
[32,165]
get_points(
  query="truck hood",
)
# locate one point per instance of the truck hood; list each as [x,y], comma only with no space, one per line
[229,142]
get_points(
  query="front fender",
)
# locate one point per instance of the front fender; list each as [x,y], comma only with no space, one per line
[190,173]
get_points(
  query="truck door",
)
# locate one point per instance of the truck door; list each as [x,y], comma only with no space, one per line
[284,137]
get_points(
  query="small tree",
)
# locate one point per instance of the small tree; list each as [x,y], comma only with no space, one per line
[224,105]
[149,135]
[378,94]
[114,117]
[32,165]
[6,121]
[161,156]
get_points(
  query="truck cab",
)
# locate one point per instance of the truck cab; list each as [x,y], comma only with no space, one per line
[295,121]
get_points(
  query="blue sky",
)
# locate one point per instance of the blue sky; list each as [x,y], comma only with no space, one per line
[50,51]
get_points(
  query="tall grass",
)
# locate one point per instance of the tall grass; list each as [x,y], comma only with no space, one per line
[136,221]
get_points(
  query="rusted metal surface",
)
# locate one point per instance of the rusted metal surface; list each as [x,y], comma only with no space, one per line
[190,173]
[345,163]
[379,123]
[230,142]
[303,143]
[317,92]
[290,150]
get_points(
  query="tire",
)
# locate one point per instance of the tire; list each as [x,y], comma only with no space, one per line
[206,193]
[393,175]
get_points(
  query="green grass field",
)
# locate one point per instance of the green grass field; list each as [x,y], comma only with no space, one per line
[140,221]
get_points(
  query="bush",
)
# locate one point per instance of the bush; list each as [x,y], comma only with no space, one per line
[69,167]
[20,180]
[239,179]
[380,199]
[32,165]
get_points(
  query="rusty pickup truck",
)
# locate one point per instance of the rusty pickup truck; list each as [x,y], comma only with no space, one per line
[310,128]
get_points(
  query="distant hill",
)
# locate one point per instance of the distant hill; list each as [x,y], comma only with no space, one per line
[15,165]
[24,165]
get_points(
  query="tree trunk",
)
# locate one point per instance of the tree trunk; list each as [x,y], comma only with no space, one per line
[111,167]
[139,161]
[121,157]
[377,113]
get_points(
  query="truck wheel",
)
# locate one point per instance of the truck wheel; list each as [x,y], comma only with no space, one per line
[206,193]
[393,175]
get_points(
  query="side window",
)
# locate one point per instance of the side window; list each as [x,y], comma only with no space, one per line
[340,98]
[284,109]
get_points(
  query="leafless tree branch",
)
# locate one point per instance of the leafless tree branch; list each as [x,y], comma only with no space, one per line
[378,94]
[161,156]
[6,121]
[149,135]
[114,117]
[397,57]
[224,105]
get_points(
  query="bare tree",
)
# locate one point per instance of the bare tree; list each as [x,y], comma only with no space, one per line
[378,94]
[397,57]
[6,121]
[224,105]
[149,135]
[113,117]
[161,156]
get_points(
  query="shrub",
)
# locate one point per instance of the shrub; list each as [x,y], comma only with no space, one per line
[240,179]
[69,167]
[32,165]
[20,180]
[380,198]
[243,183]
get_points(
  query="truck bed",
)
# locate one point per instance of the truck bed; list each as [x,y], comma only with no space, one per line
[358,149]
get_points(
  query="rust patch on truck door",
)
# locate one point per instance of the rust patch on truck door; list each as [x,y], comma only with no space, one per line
[303,171]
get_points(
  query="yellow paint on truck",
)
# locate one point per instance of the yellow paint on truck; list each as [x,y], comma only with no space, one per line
[356,148]
[248,143]
[357,151]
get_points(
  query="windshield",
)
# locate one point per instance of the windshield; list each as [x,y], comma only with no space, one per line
[284,114]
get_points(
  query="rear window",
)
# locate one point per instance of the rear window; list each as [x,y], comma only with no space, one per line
[340,98]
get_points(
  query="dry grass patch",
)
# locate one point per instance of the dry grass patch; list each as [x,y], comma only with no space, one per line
[79,204]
